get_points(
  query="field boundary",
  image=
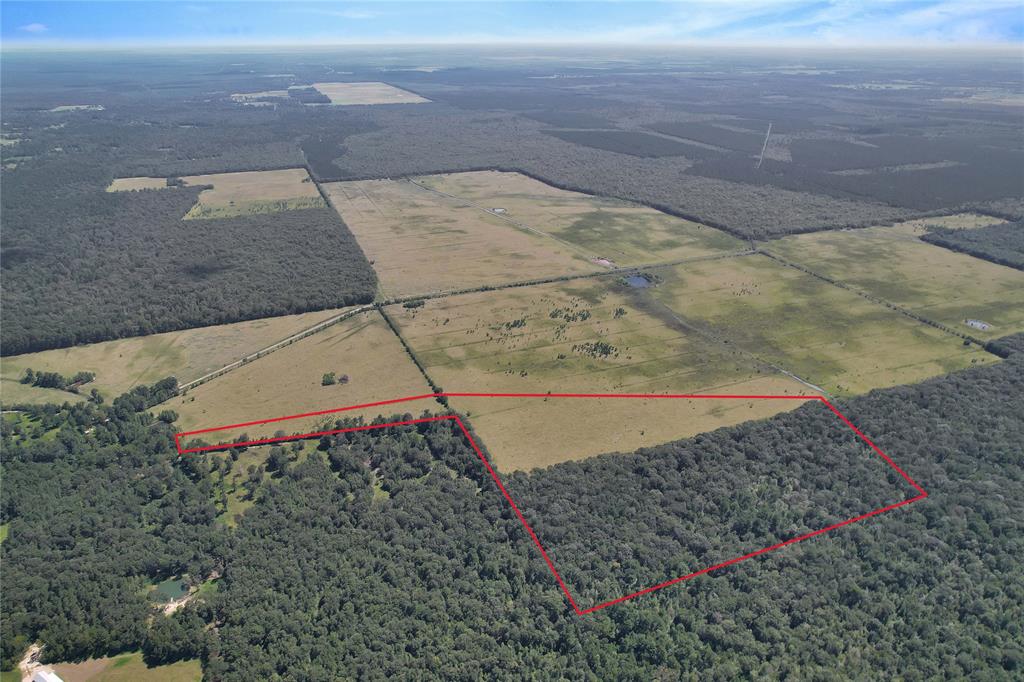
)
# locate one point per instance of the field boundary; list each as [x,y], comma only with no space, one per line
[501,487]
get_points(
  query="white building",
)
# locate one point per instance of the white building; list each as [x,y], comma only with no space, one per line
[45,676]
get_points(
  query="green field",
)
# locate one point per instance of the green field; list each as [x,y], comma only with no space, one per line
[824,334]
[587,336]
[936,283]
[128,668]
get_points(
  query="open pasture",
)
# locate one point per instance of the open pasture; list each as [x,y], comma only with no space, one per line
[936,283]
[618,231]
[367,93]
[368,362]
[251,192]
[827,335]
[127,668]
[124,363]
[421,242]
[581,337]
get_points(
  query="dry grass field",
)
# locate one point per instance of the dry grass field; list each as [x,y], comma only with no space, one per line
[587,336]
[421,242]
[367,93]
[121,364]
[251,192]
[618,231]
[130,184]
[288,381]
[824,334]
[936,283]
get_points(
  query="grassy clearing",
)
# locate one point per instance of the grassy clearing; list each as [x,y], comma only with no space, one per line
[119,365]
[823,333]
[367,93]
[936,283]
[128,668]
[619,231]
[131,184]
[5,530]
[288,381]
[421,242]
[250,192]
[588,336]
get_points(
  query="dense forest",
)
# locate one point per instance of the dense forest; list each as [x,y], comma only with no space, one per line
[1003,244]
[391,553]
[89,265]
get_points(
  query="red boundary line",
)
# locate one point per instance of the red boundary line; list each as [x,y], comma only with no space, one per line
[497,480]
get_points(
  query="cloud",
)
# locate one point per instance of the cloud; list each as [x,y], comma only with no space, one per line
[34,28]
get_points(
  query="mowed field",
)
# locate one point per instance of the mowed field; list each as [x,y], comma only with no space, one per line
[824,334]
[251,192]
[127,668]
[122,364]
[420,242]
[586,336]
[288,381]
[624,233]
[367,93]
[936,283]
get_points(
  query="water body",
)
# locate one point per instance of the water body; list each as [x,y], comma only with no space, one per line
[638,281]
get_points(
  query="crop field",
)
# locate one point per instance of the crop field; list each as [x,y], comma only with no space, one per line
[367,359]
[586,336]
[618,231]
[119,365]
[828,336]
[130,184]
[419,241]
[931,281]
[367,93]
[251,192]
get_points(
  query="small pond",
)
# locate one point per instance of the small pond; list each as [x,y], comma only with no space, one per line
[638,281]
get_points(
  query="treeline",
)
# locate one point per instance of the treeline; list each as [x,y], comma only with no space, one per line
[1002,244]
[92,265]
[57,380]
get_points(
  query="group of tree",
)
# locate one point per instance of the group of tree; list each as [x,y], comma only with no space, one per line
[391,553]
[1002,243]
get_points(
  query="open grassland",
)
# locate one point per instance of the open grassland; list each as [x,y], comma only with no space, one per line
[824,334]
[367,93]
[130,184]
[618,231]
[249,192]
[588,336]
[957,221]
[936,283]
[421,242]
[128,668]
[288,381]
[119,365]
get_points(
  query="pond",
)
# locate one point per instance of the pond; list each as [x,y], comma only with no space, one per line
[172,588]
[638,281]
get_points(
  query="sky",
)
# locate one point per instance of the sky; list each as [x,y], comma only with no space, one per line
[824,23]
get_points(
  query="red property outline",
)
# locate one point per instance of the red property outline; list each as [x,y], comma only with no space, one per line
[536,541]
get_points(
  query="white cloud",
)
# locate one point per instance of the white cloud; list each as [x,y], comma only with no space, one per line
[34,28]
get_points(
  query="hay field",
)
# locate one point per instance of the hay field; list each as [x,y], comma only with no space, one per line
[588,336]
[367,93]
[827,335]
[937,283]
[288,381]
[420,242]
[130,184]
[249,192]
[123,363]
[625,233]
